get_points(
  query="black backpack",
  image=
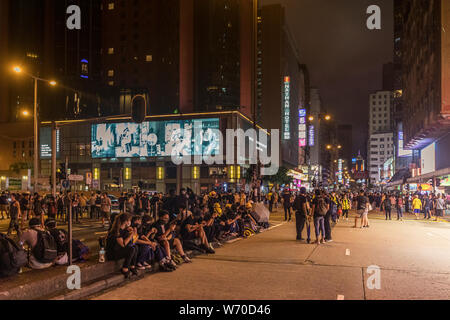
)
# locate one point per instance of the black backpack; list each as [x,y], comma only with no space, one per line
[321,208]
[46,249]
[12,257]
[62,241]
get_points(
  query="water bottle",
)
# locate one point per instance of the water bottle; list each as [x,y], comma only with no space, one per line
[101,255]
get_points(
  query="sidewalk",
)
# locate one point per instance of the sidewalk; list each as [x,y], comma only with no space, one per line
[51,282]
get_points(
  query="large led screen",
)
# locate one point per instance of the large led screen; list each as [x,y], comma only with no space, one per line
[155,138]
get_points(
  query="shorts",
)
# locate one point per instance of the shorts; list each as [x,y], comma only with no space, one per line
[439,212]
[417,211]
[362,213]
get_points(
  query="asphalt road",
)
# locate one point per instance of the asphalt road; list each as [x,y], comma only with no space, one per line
[413,258]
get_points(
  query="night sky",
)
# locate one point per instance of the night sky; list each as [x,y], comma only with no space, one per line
[344,58]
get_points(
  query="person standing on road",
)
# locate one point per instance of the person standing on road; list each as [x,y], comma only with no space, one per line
[287,204]
[387,207]
[15,215]
[399,207]
[427,206]
[4,206]
[320,208]
[302,208]
[417,206]
[332,207]
[346,204]
[440,206]
[105,208]
[362,207]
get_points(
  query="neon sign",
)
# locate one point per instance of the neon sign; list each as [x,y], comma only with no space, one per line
[287,108]
[302,128]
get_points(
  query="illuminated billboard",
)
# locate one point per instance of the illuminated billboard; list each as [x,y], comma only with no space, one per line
[302,128]
[428,158]
[155,138]
[45,143]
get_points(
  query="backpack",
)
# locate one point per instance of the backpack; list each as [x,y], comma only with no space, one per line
[46,249]
[321,209]
[80,251]
[62,242]
[12,257]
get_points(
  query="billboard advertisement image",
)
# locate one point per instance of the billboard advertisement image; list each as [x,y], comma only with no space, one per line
[155,138]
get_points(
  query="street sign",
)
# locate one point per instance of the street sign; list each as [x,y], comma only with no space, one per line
[74,177]
[65,184]
[95,184]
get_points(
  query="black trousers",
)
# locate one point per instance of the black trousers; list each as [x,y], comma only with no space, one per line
[327,226]
[300,220]
[270,206]
[130,255]
[210,232]
[287,210]
[14,224]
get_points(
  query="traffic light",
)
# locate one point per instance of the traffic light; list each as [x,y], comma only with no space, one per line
[138,108]
[61,173]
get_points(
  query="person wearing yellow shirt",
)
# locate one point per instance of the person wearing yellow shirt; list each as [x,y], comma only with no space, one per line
[417,206]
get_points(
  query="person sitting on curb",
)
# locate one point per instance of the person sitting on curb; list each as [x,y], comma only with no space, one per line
[31,238]
[119,244]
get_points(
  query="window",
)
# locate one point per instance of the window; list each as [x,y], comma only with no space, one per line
[374,139]
[149,58]
[110,50]
[110,73]
[382,146]
[382,153]
[382,139]
[111,6]
[111,83]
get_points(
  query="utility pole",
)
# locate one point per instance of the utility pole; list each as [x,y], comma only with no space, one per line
[36,138]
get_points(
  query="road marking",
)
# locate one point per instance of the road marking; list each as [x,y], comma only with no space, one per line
[430,234]
[340,297]
[347,252]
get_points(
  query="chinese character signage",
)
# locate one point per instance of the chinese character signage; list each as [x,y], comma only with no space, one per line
[302,128]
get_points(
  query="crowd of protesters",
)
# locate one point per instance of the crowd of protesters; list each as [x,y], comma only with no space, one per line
[144,228]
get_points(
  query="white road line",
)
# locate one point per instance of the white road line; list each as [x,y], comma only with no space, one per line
[347,252]
[430,234]
[340,297]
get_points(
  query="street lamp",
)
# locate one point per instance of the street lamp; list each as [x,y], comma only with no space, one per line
[52,83]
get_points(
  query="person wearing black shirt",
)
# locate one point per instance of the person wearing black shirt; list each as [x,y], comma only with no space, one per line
[301,207]
[14,213]
[192,228]
[166,238]
[119,244]
[4,205]
[287,204]
[319,216]
[362,207]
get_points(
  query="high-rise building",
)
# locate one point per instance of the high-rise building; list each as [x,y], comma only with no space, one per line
[426,93]
[140,50]
[426,90]
[380,112]
[381,143]
[381,148]
[285,86]
[388,77]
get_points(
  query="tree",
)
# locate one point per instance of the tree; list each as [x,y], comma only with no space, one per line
[280,178]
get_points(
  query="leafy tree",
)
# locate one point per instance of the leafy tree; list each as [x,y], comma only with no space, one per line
[280,177]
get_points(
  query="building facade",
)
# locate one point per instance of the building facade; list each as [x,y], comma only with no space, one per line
[285,86]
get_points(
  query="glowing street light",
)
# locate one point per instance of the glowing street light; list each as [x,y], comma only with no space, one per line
[52,83]
[327,117]
[25,113]
[17,69]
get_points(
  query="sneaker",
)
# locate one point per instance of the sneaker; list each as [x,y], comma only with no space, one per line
[330,240]
[140,266]
[308,240]
[147,266]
